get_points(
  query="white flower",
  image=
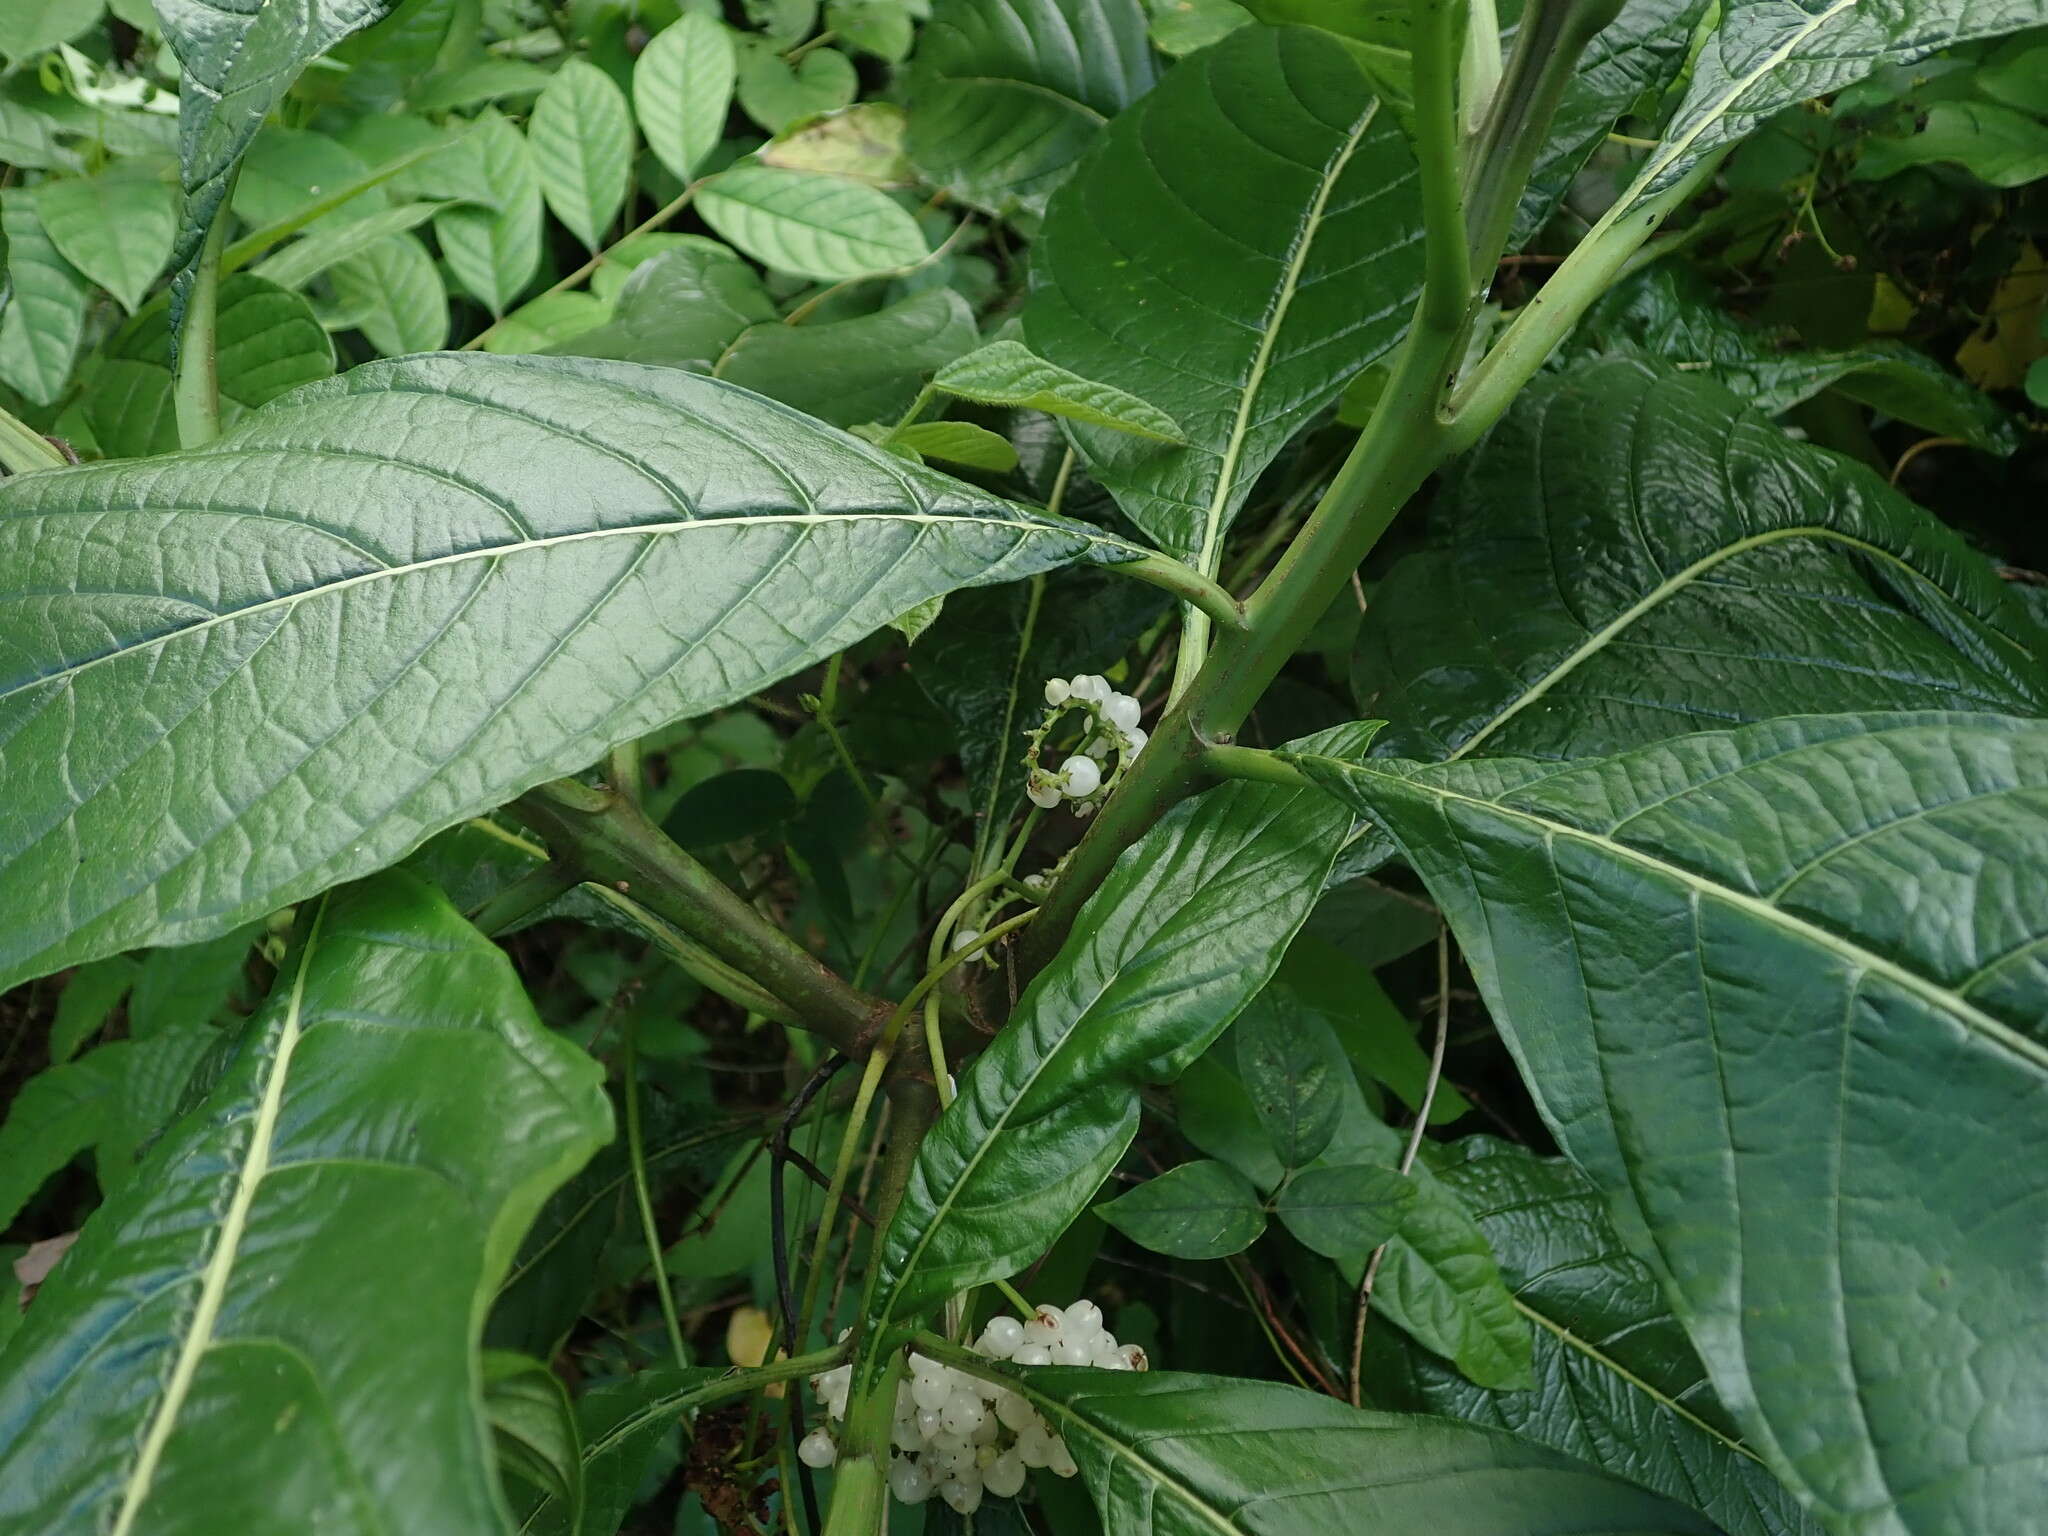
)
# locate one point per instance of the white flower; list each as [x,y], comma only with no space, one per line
[817,1449]
[965,937]
[1134,741]
[1080,777]
[1057,691]
[1122,711]
[1042,790]
[1091,689]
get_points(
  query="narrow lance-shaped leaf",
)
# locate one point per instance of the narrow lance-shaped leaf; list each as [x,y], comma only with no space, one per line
[1009,373]
[538,557]
[1617,1384]
[1183,933]
[1779,991]
[369,1155]
[1235,265]
[1170,1454]
[236,63]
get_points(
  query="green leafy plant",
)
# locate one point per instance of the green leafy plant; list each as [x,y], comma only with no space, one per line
[869,865]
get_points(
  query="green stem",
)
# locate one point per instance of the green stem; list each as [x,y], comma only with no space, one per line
[1186,583]
[1254,765]
[23,449]
[608,840]
[198,386]
[636,1156]
[1447,277]
[702,966]
[1479,69]
[523,897]
[860,1485]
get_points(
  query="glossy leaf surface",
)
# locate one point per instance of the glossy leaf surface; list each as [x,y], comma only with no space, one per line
[1008,373]
[374,1146]
[1236,266]
[1617,1383]
[1779,991]
[1205,1210]
[1168,1454]
[539,557]
[1344,1210]
[1005,95]
[1631,555]
[1180,936]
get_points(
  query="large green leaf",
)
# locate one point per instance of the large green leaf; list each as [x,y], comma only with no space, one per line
[1169,1454]
[581,133]
[236,61]
[244,686]
[45,320]
[1670,314]
[1766,55]
[31,26]
[359,1172]
[1240,245]
[1780,992]
[1632,555]
[1180,936]
[1005,95]
[1617,1384]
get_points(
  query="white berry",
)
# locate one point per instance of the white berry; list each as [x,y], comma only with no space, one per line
[817,1449]
[1080,776]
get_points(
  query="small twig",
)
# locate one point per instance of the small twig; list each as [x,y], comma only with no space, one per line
[780,1153]
[1921,447]
[636,1155]
[1415,1133]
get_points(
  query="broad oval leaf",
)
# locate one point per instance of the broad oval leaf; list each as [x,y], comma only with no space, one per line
[495,252]
[1292,1068]
[1205,1210]
[1005,95]
[1235,265]
[369,1154]
[536,558]
[867,368]
[394,295]
[581,134]
[1735,968]
[1344,1210]
[116,227]
[1631,555]
[682,90]
[45,320]
[816,226]
[1182,934]
[1169,1454]
[236,61]
[1617,1383]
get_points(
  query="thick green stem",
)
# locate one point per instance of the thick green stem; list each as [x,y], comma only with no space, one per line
[643,1199]
[1200,592]
[198,387]
[23,449]
[606,839]
[1447,279]
[860,1484]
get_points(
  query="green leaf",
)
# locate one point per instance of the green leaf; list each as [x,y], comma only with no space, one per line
[1441,1283]
[682,309]
[1346,1210]
[849,371]
[1202,1210]
[116,228]
[398,1084]
[1630,555]
[862,143]
[726,807]
[1215,1114]
[496,254]
[543,324]
[1009,373]
[958,442]
[533,1425]
[89,997]
[1237,285]
[189,984]
[290,173]
[1292,1067]
[815,226]
[1669,315]
[299,263]
[43,325]
[581,134]
[1006,95]
[267,341]
[1617,1384]
[30,27]
[1995,144]
[1170,1454]
[395,296]
[236,62]
[54,1116]
[472,85]
[524,524]
[776,93]
[1327,980]
[623,1426]
[1047,1110]
[1377,32]
[682,89]
[1767,55]
[1714,954]
[881,27]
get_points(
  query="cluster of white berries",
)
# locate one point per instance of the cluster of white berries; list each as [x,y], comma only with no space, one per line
[1114,729]
[959,1436]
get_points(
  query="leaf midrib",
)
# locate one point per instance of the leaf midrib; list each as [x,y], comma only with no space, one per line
[221,1262]
[525,546]
[1852,953]
[1598,640]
